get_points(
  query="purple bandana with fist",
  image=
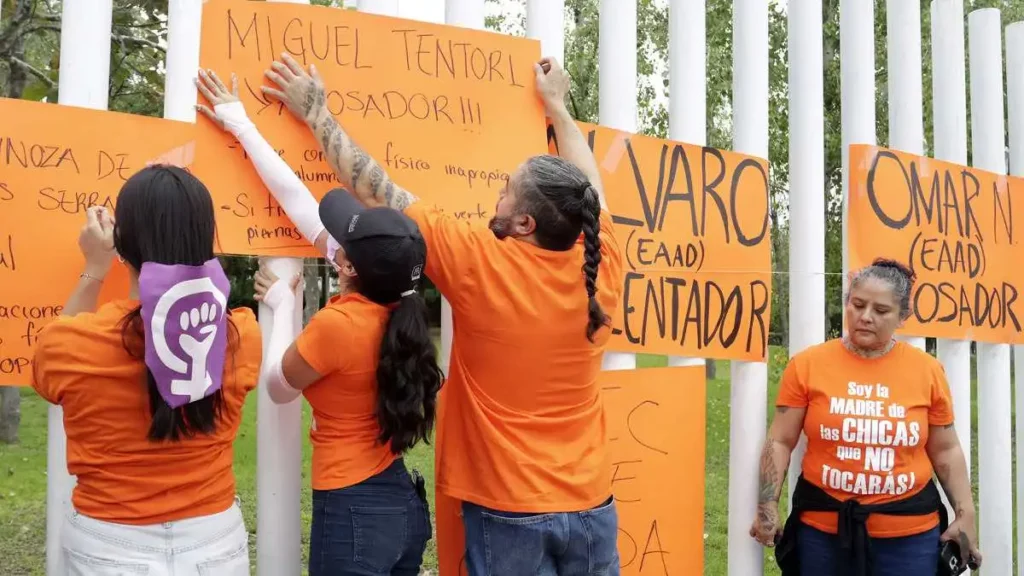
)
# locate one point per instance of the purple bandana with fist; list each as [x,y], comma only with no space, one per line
[184,312]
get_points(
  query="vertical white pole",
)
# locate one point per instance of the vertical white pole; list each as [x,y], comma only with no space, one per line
[994,429]
[949,88]
[184,26]
[687,117]
[748,395]
[468,14]
[1015,96]
[465,13]
[382,7]
[906,112]
[279,452]
[857,69]
[616,53]
[545,21]
[84,75]
[806,190]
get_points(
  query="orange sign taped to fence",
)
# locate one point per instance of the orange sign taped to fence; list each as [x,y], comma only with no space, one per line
[656,431]
[448,112]
[955,227]
[694,227]
[55,162]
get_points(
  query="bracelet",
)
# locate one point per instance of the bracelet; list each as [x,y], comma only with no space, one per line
[90,277]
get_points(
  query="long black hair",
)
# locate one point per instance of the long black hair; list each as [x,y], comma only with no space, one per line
[166,216]
[408,375]
[564,204]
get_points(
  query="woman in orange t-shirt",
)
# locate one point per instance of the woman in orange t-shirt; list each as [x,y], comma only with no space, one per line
[369,370]
[152,388]
[879,422]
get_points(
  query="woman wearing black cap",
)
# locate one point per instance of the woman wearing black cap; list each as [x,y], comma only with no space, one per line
[365,363]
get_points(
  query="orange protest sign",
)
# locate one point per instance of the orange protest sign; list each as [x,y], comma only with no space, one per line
[656,429]
[693,224]
[56,162]
[448,112]
[954,226]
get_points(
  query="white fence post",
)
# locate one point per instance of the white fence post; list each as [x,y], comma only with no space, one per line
[545,21]
[279,452]
[994,428]
[1015,97]
[906,110]
[949,98]
[687,116]
[617,106]
[84,76]
[806,190]
[382,7]
[748,397]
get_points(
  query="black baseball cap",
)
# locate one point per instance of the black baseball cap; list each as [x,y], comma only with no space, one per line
[384,245]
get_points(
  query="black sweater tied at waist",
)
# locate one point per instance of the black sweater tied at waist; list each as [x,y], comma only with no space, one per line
[854,542]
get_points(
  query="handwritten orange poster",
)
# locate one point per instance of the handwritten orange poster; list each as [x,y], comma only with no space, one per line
[448,112]
[693,223]
[55,162]
[955,227]
[656,429]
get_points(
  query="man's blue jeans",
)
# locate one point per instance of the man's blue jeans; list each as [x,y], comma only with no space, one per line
[554,544]
[916,555]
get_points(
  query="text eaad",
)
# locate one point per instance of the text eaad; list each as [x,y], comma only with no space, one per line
[55,163]
[694,228]
[430,103]
[955,226]
[656,436]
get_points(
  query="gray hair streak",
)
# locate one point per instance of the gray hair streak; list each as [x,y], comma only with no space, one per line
[897,275]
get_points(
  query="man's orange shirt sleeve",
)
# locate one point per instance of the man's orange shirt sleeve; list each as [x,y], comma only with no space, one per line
[324,342]
[940,413]
[451,245]
[792,390]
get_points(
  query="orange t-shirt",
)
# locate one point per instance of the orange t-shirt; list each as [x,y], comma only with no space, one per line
[342,343]
[867,426]
[521,425]
[81,364]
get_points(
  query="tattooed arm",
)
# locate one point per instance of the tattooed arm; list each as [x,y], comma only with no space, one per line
[304,95]
[947,458]
[778,446]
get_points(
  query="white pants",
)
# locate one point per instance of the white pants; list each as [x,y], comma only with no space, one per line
[217,544]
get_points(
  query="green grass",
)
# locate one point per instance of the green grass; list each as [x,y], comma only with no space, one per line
[23,478]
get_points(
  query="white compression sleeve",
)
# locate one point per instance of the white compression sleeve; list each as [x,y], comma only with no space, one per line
[293,196]
[277,385]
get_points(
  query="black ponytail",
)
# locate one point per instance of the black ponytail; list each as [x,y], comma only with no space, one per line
[408,377]
[565,204]
[590,212]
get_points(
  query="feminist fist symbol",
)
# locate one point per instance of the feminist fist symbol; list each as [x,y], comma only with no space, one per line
[197,349]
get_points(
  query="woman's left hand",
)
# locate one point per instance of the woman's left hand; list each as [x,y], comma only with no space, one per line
[216,93]
[273,291]
[961,531]
[96,241]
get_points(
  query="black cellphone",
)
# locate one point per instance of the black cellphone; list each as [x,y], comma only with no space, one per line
[950,563]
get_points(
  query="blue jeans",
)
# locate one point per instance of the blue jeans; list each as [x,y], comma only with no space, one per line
[916,555]
[555,544]
[377,527]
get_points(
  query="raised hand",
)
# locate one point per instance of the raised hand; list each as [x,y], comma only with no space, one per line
[552,84]
[302,93]
[96,241]
[216,93]
[271,290]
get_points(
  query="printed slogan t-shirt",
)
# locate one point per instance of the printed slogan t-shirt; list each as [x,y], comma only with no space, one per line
[521,425]
[342,343]
[81,364]
[867,426]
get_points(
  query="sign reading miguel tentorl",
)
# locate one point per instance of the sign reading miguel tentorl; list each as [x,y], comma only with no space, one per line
[694,228]
[955,227]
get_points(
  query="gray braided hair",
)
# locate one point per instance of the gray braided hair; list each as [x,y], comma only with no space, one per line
[896,274]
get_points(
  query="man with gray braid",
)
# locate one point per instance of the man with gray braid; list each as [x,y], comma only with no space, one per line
[521,434]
